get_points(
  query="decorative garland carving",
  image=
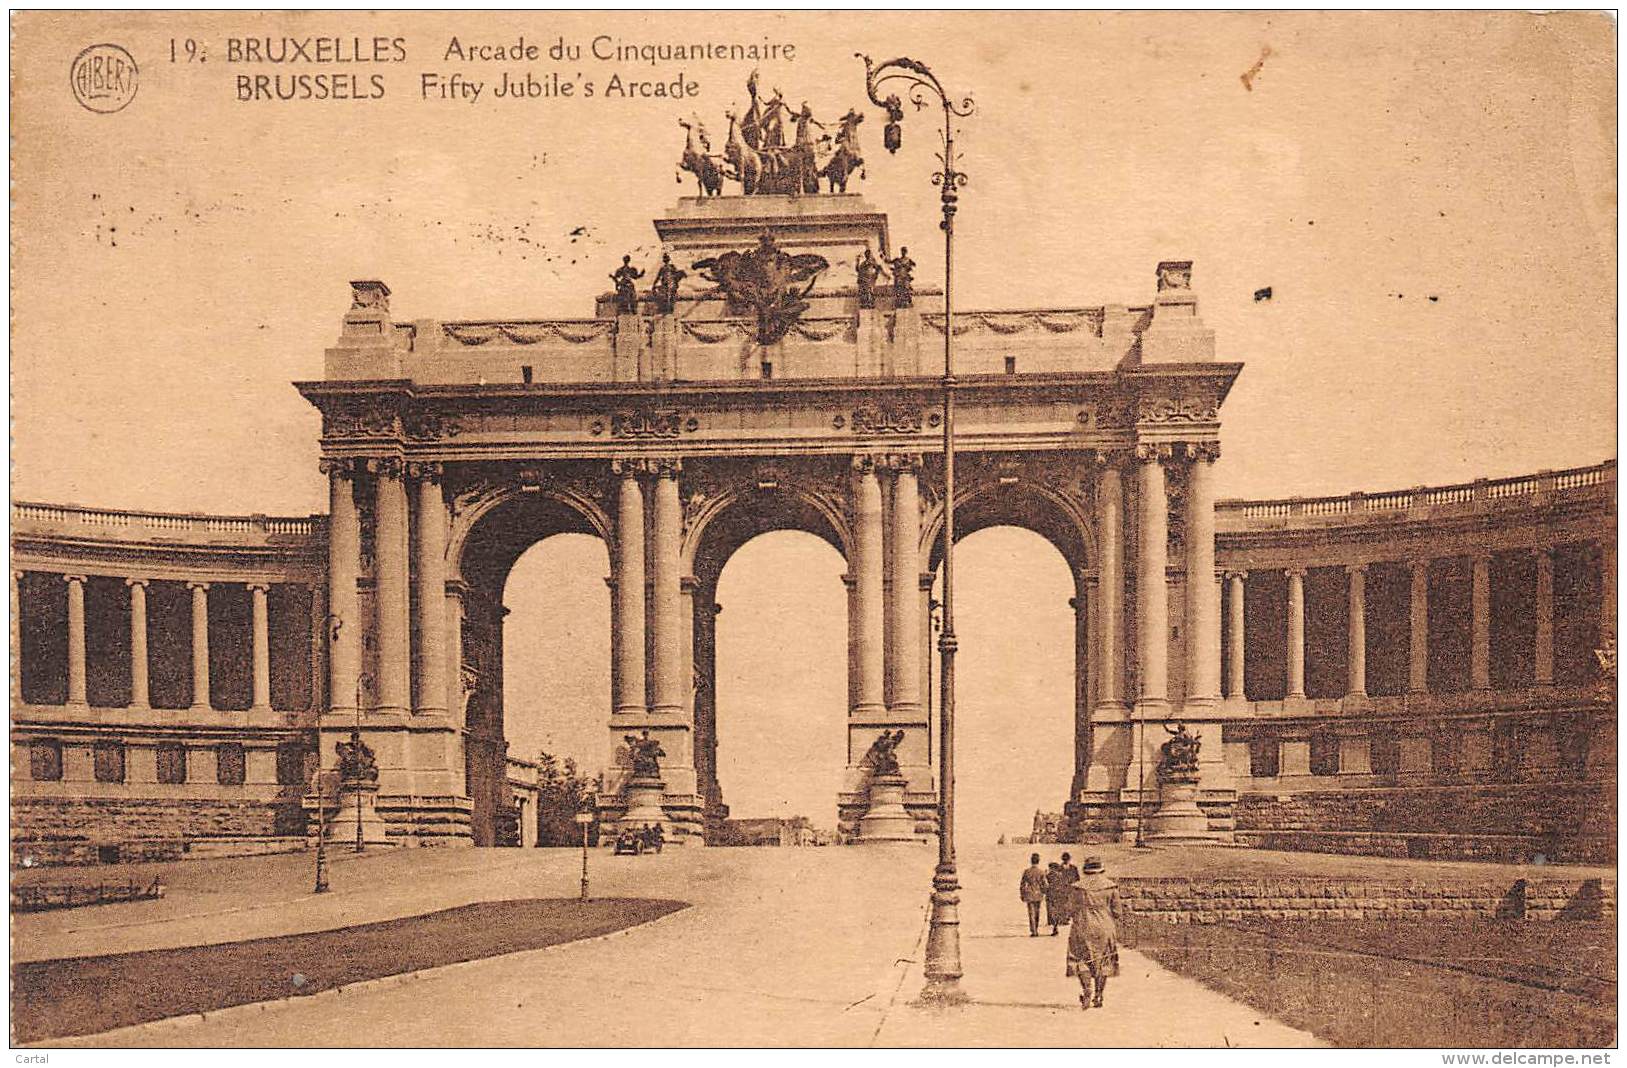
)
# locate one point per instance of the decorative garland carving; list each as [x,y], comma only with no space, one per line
[1104,415]
[367,419]
[428,424]
[717,331]
[1006,324]
[574,332]
[1177,410]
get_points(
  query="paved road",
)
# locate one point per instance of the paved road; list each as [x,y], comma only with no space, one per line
[782,947]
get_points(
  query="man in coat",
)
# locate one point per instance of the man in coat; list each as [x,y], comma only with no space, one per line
[1093,942]
[1032,892]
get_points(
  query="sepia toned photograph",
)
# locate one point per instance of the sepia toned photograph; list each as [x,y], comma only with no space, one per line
[904,529]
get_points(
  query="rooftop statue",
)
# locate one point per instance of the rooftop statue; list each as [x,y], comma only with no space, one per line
[757,156]
[867,269]
[626,293]
[665,291]
[770,281]
[903,279]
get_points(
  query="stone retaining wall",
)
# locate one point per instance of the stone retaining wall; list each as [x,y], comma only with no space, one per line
[102,830]
[1561,822]
[1220,900]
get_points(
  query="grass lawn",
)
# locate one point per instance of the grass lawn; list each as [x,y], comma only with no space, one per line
[1410,983]
[86,995]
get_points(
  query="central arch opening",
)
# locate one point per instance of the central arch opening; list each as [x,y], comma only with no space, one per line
[556,661]
[1015,688]
[781,679]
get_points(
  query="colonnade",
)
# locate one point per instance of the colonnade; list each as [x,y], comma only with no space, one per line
[140,697]
[1357,610]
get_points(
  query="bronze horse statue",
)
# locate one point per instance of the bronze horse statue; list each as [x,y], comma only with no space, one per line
[698,161]
[847,158]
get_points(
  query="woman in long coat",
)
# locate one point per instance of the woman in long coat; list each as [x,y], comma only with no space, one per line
[1057,893]
[1093,942]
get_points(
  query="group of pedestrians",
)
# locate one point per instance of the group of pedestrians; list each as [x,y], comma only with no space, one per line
[1087,903]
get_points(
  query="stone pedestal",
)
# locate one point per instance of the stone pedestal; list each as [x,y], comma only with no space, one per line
[644,795]
[342,822]
[1178,817]
[887,820]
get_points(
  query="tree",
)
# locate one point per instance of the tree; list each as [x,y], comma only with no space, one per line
[562,792]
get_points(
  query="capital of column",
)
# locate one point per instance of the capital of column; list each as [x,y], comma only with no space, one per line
[1294,572]
[386,466]
[1356,569]
[1149,452]
[866,463]
[899,461]
[1202,451]
[197,585]
[1235,575]
[343,466]
[664,466]
[142,582]
[257,587]
[426,471]
[74,578]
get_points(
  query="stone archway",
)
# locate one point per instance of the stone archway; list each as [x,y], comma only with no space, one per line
[728,505]
[1055,497]
[498,514]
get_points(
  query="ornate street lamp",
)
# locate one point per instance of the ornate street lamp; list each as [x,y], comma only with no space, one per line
[916,79]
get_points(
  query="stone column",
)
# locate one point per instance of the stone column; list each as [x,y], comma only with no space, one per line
[1202,595]
[432,519]
[1080,603]
[1545,617]
[1110,583]
[76,639]
[455,591]
[664,610]
[200,644]
[686,639]
[140,691]
[260,632]
[344,625]
[627,590]
[1152,581]
[390,591]
[1356,657]
[1418,668]
[1237,622]
[868,573]
[1296,632]
[1480,623]
[905,590]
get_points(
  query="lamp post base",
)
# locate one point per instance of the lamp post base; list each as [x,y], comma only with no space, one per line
[942,968]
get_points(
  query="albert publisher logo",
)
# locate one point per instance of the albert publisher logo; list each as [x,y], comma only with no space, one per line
[104,78]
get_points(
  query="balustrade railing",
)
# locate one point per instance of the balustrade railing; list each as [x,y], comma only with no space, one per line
[58,515]
[1497,489]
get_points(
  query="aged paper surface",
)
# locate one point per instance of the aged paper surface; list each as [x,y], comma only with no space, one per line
[489,509]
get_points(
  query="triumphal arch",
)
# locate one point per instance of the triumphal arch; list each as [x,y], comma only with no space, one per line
[782,371]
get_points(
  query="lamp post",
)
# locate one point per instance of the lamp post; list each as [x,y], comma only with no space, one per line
[319,782]
[943,970]
[356,743]
[584,819]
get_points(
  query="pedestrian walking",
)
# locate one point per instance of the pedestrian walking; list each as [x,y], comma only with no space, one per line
[1093,941]
[1057,887]
[1032,892]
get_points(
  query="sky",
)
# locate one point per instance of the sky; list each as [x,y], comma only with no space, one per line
[1429,197]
